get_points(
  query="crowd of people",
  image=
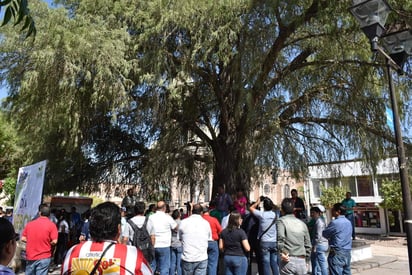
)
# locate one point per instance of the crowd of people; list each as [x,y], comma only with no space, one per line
[223,237]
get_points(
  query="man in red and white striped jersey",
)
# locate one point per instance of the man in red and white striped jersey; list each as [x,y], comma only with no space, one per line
[115,258]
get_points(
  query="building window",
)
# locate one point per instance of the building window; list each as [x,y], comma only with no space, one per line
[365,186]
[317,187]
[333,182]
[349,183]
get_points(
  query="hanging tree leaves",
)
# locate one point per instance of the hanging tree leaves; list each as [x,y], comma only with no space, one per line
[233,87]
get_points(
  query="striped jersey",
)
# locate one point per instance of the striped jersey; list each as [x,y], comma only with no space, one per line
[120,259]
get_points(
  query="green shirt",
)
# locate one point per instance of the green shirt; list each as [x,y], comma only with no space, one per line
[349,203]
[293,236]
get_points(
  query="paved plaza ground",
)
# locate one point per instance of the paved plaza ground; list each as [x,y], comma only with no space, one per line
[390,256]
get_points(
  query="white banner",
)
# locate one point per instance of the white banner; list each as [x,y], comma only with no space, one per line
[29,189]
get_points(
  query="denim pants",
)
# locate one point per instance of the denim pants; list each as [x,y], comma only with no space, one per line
[319,261]
[194,268]
[351,218]
[235,265]
[295,266]
[269,258]
[339,262]
[38,267]
[162,260]
[212,257]
[175,258]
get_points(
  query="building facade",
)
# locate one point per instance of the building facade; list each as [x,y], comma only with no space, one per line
[364,183]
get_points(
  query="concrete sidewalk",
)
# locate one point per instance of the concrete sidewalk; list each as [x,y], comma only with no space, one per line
[374,262]
[389,256]
[397,267]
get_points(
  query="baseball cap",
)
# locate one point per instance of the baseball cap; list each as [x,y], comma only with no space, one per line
[7,232]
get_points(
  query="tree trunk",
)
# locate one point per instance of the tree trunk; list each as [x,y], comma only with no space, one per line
[228,169]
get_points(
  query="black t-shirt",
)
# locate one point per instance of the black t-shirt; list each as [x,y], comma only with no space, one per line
[233,241]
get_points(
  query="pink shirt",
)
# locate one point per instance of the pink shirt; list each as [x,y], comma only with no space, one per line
[240,204]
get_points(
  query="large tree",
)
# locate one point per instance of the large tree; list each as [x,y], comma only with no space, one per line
[230,86]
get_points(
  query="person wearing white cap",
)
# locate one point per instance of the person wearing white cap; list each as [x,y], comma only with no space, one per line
[323,213]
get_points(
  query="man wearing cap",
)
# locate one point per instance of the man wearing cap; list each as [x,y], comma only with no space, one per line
[8,239]
[40,236]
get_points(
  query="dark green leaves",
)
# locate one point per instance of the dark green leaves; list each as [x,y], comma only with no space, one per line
[17,11]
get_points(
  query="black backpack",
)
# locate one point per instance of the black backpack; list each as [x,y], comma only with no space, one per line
[142,240]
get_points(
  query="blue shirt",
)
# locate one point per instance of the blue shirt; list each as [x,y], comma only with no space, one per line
[4,270]
[339,233]
[265,220]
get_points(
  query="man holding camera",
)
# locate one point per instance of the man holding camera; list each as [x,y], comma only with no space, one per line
[267,236]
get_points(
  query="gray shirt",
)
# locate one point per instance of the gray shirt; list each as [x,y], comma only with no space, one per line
[318,228]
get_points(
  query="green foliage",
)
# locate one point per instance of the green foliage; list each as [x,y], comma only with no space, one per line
[391,192]
[10,149]
[331,195]
[17,12]
[144,91]
[9,188]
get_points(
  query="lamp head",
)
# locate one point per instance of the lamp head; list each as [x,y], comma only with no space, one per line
[371,15]
[398,44]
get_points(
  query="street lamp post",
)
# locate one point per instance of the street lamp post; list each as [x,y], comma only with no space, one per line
[372,15]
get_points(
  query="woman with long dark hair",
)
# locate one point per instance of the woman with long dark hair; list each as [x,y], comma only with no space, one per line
[235,246]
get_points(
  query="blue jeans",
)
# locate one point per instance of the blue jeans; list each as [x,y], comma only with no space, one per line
[269,258]
[162,260]
[351,218]
[194,268]
[38,267]
[235,265]
[175,258]
[339,262]
[318,260]
[212,257]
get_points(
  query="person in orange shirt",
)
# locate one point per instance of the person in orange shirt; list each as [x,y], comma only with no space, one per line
[212,248]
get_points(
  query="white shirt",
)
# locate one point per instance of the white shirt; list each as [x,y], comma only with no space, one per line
[194,232]
[162,224]
[225,221]
[139,221]
[63,227]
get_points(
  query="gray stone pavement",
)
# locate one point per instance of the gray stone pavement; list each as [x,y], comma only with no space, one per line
[389,256]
